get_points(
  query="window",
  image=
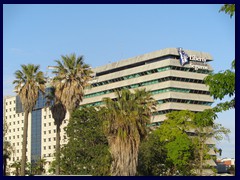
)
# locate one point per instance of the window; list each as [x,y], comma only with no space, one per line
[54,130]
[10,109]
[10,116]
[18,151]
[14,102]
[44,124]
[49,131]
[49,139]
[17,129]
[13,130]
[18,121]
[18,115]
[14,115]
[44,132]
[49,124]
[10,102]
[44,117]
[22,121]
[10,123]
[6,103]
[6,110]
[18,144]
[6,117]
[14,108]
[14,123]
[44,147]
[49,147]
[13,137]
[49,116]
[44,140]
[22,114]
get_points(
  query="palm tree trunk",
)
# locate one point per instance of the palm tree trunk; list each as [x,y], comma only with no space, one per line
[58,147]
[24,143]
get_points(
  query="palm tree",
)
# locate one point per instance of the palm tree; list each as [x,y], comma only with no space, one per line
[7,151]
[58,112]
[72,76]
[17,166]
[125,127]
[7,147]
[39,166]
[29,82]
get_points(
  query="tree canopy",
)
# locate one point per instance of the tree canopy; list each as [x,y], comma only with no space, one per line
[86,152]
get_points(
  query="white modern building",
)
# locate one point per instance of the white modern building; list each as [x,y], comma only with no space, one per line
[174,77]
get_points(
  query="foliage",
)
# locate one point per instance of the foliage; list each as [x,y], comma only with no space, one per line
[38,167]
[179,146]
[8,149]
[29,82]
[152,157]
[125,127]
[180,152]
[72,76]
[173,134]
[222,84]
[17,166]
[86,152]
[228,9]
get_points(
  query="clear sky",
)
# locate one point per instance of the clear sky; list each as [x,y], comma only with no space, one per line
[40,34]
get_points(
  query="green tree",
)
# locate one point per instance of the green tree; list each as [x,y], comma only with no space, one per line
[17,166]
[185,135]
[86,152]
[125,127]
[228,9]
[7,148]
[7,151]
[205,129]
[180,152]
[38,167]
[222,84]
[29,82]
[173,133]
[152,157]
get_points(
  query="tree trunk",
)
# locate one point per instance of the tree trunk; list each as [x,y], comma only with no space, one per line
[58,147]
[201,158]
[125,156]
[24,143]
[4,165]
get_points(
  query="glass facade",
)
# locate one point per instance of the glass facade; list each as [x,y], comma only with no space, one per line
[19,106]
[36,135]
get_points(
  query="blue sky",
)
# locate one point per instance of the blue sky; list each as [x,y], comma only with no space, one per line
[40,34]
